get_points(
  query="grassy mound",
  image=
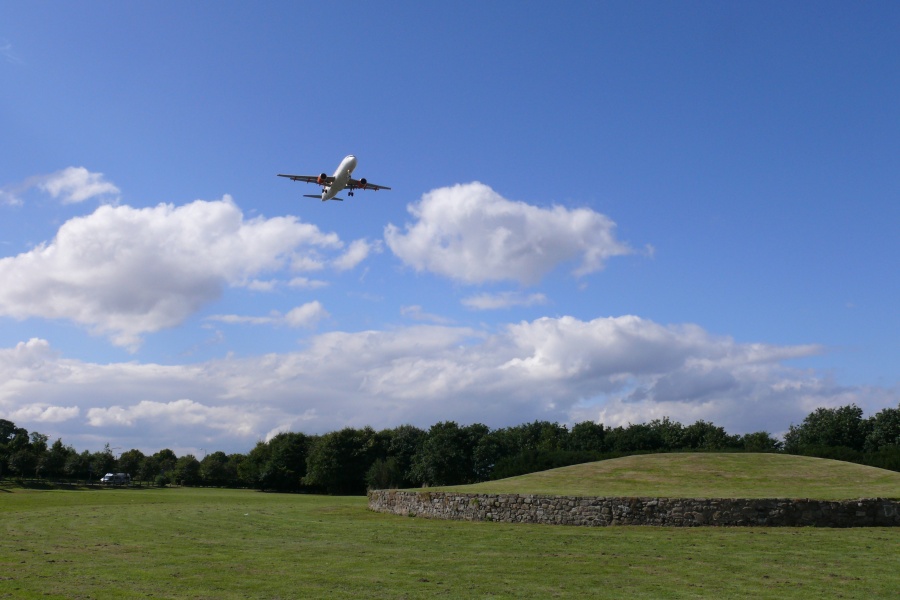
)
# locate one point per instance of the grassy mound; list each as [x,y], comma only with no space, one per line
[704,475]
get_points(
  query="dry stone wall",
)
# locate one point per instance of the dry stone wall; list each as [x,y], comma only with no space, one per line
[677,512]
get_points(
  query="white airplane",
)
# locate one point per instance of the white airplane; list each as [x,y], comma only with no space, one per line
[340,180]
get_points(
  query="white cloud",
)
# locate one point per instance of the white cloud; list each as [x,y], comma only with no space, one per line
[306,315]
[503,300]
[471,234]
[416,313]
[616,370]
[124,272]
[181,414]
[41,413]
[10,196]
[77,184]
[357,252]
[258,285]
[246,320]
[306,283]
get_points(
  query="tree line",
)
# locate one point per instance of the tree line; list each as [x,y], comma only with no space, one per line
[352,460]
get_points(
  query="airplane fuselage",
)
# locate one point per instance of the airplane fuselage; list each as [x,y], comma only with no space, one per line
[341,177]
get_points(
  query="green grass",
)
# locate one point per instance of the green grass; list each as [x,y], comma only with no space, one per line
[702,475]
[205,543]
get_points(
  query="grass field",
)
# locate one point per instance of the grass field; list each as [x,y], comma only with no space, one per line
[207,543]
[706,475]
[201,543]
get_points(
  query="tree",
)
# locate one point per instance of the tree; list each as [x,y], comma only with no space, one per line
[38,442]
[490,450]
[8,431]
[542,436]
[218,470]
[587,436]
[19,440]
[148,470]
[532,461]
[12,439]
[828,427]
[706,436]
[186,471]
[130,462]
[38,447]
[634,438]
[252,468]
[22,462]
[165,461]
[339,461]
[78,465]
[103,462]
[285,466]
[403,443]
[448,454]
[234,468]
[54,462]
[760,441]
[384,474]
[671,434]
[884,430]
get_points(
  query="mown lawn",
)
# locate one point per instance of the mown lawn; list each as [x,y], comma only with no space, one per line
[206,543]
[706,475]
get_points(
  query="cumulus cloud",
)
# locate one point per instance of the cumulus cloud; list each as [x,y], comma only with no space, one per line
[41,413]
[616,370]
[124,271]
[503,300]
[76,184]
[180,413]
[71,185]
[471,234]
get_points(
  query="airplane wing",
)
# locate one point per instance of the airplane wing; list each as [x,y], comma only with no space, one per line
[310,179]
[362,184]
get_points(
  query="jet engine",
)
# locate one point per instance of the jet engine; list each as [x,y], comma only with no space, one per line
[362,183]
[322,179]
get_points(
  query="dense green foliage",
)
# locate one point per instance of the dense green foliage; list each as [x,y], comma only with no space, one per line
[843,434]
[350,460]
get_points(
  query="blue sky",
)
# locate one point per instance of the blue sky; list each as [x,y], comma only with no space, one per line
[613,211]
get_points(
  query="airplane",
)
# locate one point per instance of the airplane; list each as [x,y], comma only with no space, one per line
[340,180]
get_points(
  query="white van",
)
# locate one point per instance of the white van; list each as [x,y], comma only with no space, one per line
[115,478]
